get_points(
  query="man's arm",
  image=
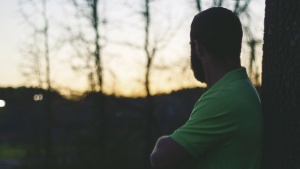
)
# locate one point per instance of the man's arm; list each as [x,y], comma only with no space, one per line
[168,153]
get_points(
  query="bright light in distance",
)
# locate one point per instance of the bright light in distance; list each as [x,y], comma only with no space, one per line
[2,103]
[38,97]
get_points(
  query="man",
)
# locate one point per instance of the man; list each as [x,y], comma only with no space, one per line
[224,130]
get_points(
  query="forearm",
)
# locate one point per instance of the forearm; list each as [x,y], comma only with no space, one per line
[156,154]
[169,154]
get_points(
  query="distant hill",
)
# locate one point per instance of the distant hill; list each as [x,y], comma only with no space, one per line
[22,122]
[23,113]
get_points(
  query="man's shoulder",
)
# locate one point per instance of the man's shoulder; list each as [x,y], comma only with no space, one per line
[211,103]
[234,89]
[239,91]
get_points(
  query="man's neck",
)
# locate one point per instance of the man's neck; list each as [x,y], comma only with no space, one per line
[217,70]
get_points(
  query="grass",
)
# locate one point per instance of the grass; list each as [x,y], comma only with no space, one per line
[8,152]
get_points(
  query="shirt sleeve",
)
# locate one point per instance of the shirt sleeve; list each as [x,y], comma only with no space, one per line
[210,123]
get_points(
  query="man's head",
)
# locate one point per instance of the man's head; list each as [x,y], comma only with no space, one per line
[218,32]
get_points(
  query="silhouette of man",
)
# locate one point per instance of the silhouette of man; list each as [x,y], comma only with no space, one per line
[224,130]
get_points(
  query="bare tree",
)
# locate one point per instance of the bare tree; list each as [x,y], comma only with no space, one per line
[198,5]
[38,54]
[31,67]
[251,41]
[88,10]
[45,32]
[93,4]
[150,50]
[90,51]
[150,54]
[243,9]
[240,8]
[40,63]
[153,42]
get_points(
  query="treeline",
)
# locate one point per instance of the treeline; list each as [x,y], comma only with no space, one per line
[22,125]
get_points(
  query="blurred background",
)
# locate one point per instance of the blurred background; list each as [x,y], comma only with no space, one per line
[94,83]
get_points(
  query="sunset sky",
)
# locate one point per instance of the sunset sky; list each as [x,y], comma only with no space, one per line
[123,64]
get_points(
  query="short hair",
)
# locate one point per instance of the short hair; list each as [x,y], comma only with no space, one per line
[219,30]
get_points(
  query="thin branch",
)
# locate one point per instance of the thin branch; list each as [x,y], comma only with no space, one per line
[198,4]
[27,18]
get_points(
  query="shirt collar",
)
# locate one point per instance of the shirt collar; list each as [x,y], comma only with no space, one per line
[236,74]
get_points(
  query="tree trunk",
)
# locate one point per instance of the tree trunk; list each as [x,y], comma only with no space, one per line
[198,4]
[151,125]
[149,106]
[97,53]
[49,155]
[281,85]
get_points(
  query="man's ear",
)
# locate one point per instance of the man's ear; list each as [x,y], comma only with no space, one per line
[200,50]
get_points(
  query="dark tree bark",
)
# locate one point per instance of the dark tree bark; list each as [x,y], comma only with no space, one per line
[281,85]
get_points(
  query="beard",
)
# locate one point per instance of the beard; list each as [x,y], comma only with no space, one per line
[196,65]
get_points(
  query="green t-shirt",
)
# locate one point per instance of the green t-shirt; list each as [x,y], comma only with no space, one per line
[224,130]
